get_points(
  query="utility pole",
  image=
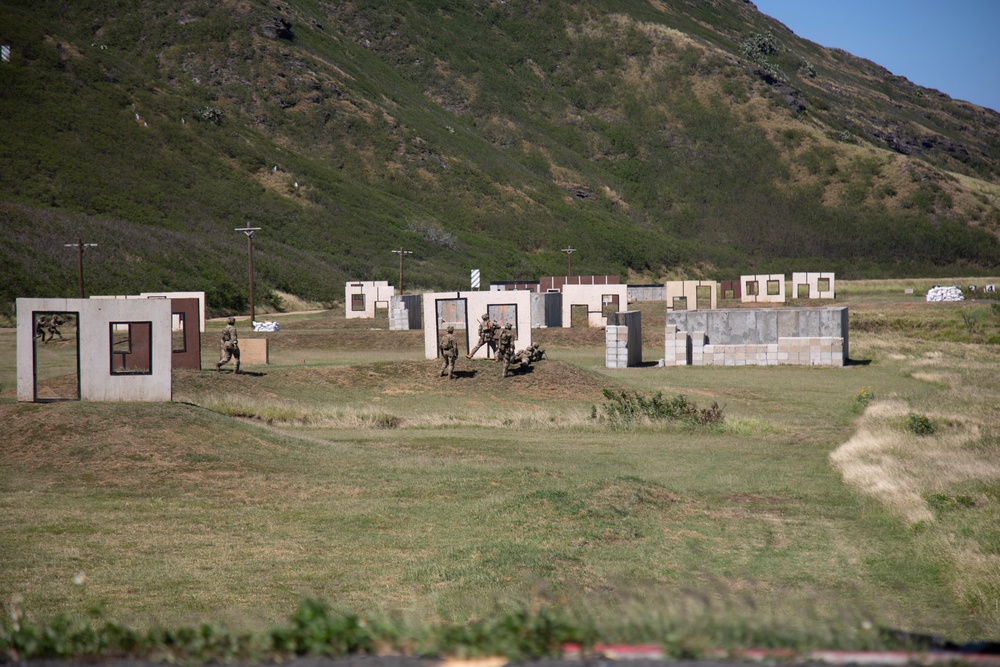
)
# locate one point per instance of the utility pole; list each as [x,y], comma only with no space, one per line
[401,252]
[569,260]
[80,245]
[249,232]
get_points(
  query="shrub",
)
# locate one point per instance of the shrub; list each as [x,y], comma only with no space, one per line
[627,409]
[861,399]
[919,424]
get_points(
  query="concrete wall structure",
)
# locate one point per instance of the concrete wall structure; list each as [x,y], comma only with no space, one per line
[646,293]
[546,309]
[405,313]
[745,337]
[730,290]
[766,288]
[167,295]
[362,298]
[181,295]
[187,316]
[688,291]
[101,376]
[812,281]
[594,297]
[623,340]
[464,311]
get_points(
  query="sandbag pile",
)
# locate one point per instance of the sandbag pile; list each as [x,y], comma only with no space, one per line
[945,294]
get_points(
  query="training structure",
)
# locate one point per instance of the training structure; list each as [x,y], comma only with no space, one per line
[813,286]
[404,312]
[751,337]
[464,310]
[691,294]
[596,301]
[623,340]
[187,323]
[363,299]
[122,348]
[767,288]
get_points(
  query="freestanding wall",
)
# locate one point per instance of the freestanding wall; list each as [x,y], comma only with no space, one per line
[683,294]
[594,297]
[817,285]
[404,312]
[362,298]
[747,337]
[464,311]
[765,288]
[103,372]
[623,340]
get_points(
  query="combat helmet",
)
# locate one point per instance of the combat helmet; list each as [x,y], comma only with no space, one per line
[231,320]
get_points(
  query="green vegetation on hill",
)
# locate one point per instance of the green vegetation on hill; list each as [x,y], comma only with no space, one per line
[655,137]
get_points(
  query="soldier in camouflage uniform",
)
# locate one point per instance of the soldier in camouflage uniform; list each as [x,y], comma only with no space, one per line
[230,346]
[40,327]
[449,353]
[54,325]
[536,353]
[505,348]
[487,336]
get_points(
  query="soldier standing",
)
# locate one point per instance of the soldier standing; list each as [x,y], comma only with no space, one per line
[230,346]
[487,336]
[449,353]
[40,327]
[505,349]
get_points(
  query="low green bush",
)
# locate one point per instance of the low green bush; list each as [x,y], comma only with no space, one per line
[626,409]
[919,424]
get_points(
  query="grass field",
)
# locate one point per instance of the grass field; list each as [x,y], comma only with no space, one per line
[349,471]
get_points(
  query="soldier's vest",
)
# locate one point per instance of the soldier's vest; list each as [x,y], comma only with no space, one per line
[487,331]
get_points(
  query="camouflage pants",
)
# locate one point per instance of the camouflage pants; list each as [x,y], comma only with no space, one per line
[229,351]
[448,365]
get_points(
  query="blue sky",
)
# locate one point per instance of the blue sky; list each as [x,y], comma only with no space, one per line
[950,45]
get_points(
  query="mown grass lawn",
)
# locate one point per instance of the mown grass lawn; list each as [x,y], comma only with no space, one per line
[362,478]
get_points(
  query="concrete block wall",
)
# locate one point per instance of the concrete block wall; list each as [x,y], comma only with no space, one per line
[744,337]
[616,346]
[623,340]
[677,347]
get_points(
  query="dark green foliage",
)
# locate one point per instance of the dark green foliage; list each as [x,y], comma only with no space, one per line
[316,630]
[162,127]
[919,424]
[626,409]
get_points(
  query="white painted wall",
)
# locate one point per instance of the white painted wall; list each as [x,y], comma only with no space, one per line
[376,292]
[94,327]
[592,297]
[476,304]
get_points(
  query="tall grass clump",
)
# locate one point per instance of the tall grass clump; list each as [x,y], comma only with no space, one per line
[628,409]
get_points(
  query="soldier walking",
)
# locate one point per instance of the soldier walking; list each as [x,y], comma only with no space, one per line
[449,353]
[230,346]
[487,336]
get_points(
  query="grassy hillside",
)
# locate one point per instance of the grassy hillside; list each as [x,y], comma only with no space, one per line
[657,138]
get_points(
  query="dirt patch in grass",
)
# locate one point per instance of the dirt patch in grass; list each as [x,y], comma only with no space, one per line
[549,379]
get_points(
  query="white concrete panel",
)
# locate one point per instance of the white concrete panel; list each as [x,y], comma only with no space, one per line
[476,303]
[97,383]
[374,292]
[592,297]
